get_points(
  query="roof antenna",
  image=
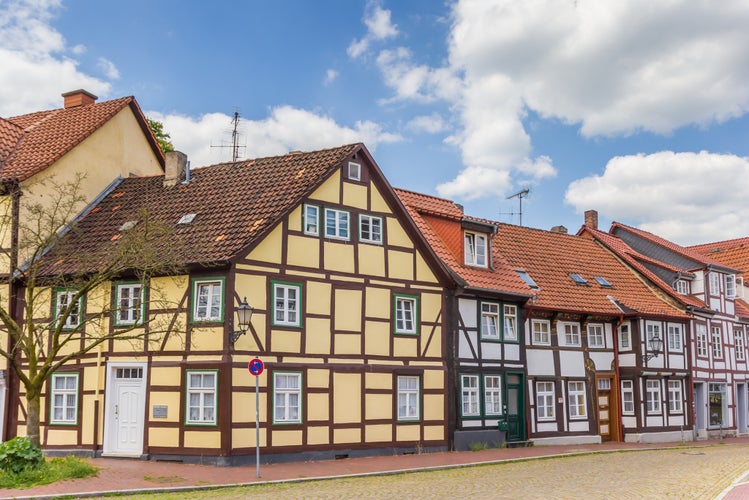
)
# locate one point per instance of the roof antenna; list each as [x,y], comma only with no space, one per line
[234,139]
[519,195]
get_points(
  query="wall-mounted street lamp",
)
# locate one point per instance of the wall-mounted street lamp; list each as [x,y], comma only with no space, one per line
[244,315]
[655,346]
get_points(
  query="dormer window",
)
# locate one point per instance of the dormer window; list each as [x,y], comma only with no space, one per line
[730,286]
[682,287]
[475,249]
[714,283]
[354,171]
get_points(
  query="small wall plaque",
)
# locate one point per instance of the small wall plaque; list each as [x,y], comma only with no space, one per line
[160,411]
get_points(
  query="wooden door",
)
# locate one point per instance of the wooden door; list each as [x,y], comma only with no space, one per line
[606,416]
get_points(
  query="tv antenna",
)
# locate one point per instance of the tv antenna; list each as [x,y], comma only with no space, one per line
[519,195]
[234,139]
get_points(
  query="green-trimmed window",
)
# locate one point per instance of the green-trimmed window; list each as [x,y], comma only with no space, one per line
[469,386]
[63,298]
[287,301]
[130,308]
[510,323]
[489,321]
[201,397]
[208,299]
[492,395]
[287,398]
[64,399]
[409,394]
[406,314]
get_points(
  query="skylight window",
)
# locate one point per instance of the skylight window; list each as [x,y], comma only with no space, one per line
[603,281]
[578,279]
[186,219]
[528,280]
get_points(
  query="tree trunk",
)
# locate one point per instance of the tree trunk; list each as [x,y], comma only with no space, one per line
[32,416]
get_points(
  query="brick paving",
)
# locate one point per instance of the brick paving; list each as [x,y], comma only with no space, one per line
[697,470]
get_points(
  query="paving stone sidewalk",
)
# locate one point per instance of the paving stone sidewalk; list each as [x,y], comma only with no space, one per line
[120,475]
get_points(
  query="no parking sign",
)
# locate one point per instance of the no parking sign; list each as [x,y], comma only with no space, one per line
[256,366]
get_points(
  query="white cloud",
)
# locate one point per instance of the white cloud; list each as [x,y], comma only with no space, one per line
[35,67]
[330,76]
[379,27]
[667,193]
[430,124]
[285,129]
[465,186]
[108,68]
[415,82]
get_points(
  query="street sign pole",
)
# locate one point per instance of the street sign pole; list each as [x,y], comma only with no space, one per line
[257,425]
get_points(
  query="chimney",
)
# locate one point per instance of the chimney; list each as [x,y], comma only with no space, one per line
[559,229]
[591,219]
[176,168]
[79,97]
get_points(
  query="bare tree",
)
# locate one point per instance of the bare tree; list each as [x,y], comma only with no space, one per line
[59,266]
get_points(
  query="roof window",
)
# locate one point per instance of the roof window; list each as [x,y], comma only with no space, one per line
[528,280]
[578,279]
[186,219]
[602,281]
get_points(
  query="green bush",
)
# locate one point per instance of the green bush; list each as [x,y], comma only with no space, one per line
[19,454]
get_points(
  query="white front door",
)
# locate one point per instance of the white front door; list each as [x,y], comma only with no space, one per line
[125,410]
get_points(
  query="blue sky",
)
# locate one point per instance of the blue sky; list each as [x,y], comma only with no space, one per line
[637,109]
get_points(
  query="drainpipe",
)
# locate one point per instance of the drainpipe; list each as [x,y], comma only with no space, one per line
[527,402]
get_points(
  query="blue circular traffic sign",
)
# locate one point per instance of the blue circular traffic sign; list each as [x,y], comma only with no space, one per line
[256,366]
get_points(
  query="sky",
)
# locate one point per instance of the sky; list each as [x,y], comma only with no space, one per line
[636,109]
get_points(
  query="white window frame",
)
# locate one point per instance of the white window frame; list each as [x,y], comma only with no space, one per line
[576,399]
[675,338]
[510,323]
[469,389]
[628,397]
[653,396]
[541,332]
[64,399]
[489,320]
[475,248]
[214,300]
[206,393]
[545,400]
[740,287]
[287,397]
[311,220]
[740,348]
[653,329]
[625,337]
[62,299]
[701,340]
[716,338]
[730,283]
[682,287]
[714,283]
[339,227]
[409,395]
[132,305]
[406,314]
[571,334]
[373,232]
[675,397]
[492,395]
[287,306]
[596,336]
[354,171]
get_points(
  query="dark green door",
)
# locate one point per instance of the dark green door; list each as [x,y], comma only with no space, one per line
[515,407]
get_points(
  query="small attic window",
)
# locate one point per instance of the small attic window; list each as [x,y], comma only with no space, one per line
[186,219]
[578,279]
[603,281]
[128,225]
[528,280]
[354,171]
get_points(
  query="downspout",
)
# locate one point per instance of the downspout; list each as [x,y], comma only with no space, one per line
[616,377]
[527,411]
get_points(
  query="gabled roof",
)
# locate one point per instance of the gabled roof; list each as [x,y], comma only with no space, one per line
[32,142]
[668,245]
[440,222]
[732,253]
[550,258]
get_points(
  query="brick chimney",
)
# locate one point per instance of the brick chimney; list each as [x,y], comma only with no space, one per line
[79,97]
[175,169]
[591,219]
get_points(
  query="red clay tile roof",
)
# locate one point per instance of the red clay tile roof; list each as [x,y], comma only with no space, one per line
[550,258]
[235,204]
[440,222]
[731,253]
[47,135]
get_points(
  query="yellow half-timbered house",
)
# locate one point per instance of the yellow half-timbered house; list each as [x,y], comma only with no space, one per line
[348,318]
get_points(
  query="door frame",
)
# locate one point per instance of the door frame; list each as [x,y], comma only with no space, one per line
[109,446]
[613,410]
